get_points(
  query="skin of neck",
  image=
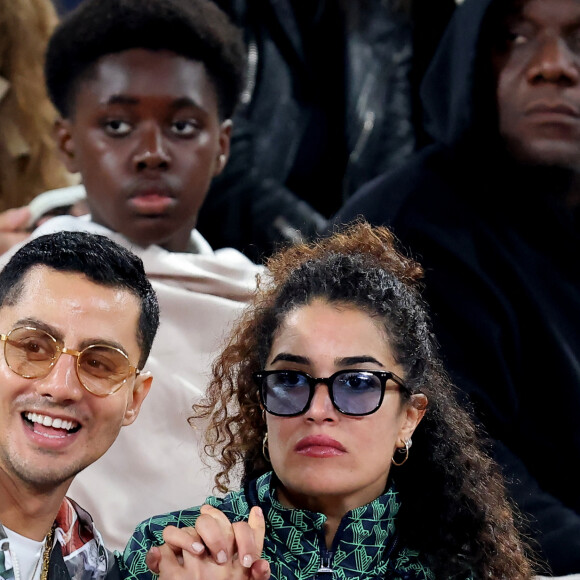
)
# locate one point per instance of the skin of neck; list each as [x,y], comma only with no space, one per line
[27,511]
[334,507]
[178,243]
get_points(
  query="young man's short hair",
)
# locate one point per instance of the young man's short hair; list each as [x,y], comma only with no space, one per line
[195,29]
[97,257]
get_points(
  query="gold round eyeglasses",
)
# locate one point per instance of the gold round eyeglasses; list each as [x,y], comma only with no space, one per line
[32,353]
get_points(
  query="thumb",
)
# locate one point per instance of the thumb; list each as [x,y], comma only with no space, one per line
[153,558]
[260,570]
[258,524]
[13,220]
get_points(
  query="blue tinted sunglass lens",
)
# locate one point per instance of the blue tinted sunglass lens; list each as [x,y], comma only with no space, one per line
[357,393]
[286,393]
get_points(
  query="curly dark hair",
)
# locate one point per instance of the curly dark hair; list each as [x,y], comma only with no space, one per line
[454,506]
[195,29]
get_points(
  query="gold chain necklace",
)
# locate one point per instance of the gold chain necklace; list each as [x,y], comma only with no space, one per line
[45,557]
[46,554]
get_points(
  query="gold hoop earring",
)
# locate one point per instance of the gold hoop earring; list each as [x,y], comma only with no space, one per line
[408,444]
[265,451]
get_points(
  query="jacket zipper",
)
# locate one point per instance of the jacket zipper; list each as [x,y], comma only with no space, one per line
[251,73]
[325,571]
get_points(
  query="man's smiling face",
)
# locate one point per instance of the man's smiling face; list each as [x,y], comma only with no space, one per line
[51,428]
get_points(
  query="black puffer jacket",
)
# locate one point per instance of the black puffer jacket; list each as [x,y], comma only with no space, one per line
[327,107]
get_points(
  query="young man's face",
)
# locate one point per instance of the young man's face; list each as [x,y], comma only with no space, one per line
[537,70]
[147,139]
[34,450]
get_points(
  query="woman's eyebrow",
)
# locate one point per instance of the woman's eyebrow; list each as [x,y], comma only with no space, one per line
[348,361]
[287,357]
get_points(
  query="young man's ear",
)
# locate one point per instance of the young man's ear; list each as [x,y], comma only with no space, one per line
[140,390]
[65,144]
[224,146]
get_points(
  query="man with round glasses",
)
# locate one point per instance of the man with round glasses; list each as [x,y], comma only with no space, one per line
[77,321]
[102,369]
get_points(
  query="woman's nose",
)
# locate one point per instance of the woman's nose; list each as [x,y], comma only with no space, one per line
[321,407]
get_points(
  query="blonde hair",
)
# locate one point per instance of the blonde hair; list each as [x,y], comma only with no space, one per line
[28,153]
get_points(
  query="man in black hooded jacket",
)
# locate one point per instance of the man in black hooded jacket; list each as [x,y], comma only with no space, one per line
[492,212]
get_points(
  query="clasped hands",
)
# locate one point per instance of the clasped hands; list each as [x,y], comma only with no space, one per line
[214,549]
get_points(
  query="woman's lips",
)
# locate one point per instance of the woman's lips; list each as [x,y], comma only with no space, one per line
[319,446]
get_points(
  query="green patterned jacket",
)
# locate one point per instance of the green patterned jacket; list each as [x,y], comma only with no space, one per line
[365,546]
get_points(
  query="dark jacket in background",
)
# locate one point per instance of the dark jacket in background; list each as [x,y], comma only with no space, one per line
[501,253]
[327,107]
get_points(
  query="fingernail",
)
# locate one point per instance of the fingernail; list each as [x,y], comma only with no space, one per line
[197,547]
[247,561]
[222,557]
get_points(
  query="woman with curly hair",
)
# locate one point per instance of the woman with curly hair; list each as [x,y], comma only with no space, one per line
[332,400]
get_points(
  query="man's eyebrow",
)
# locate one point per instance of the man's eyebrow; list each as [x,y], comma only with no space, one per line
[102,342]
[59,336]
[349,361]
[29,321]
[186,103]
[177,104]
[287,357]
[122,100]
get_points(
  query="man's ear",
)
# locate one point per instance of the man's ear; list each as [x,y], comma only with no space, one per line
[65,144]
[140,390]
[224,146]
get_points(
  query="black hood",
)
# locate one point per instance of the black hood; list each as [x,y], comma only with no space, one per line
[447,90]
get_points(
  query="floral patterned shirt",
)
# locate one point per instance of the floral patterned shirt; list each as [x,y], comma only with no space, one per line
[81,546]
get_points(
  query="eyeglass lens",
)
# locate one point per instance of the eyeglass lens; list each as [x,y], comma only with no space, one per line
[32,353]
[352,392]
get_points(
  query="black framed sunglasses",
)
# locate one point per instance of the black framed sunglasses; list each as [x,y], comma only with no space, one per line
[352,392]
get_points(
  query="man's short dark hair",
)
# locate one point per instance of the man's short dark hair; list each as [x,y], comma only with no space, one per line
[100,259]
[195,29]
